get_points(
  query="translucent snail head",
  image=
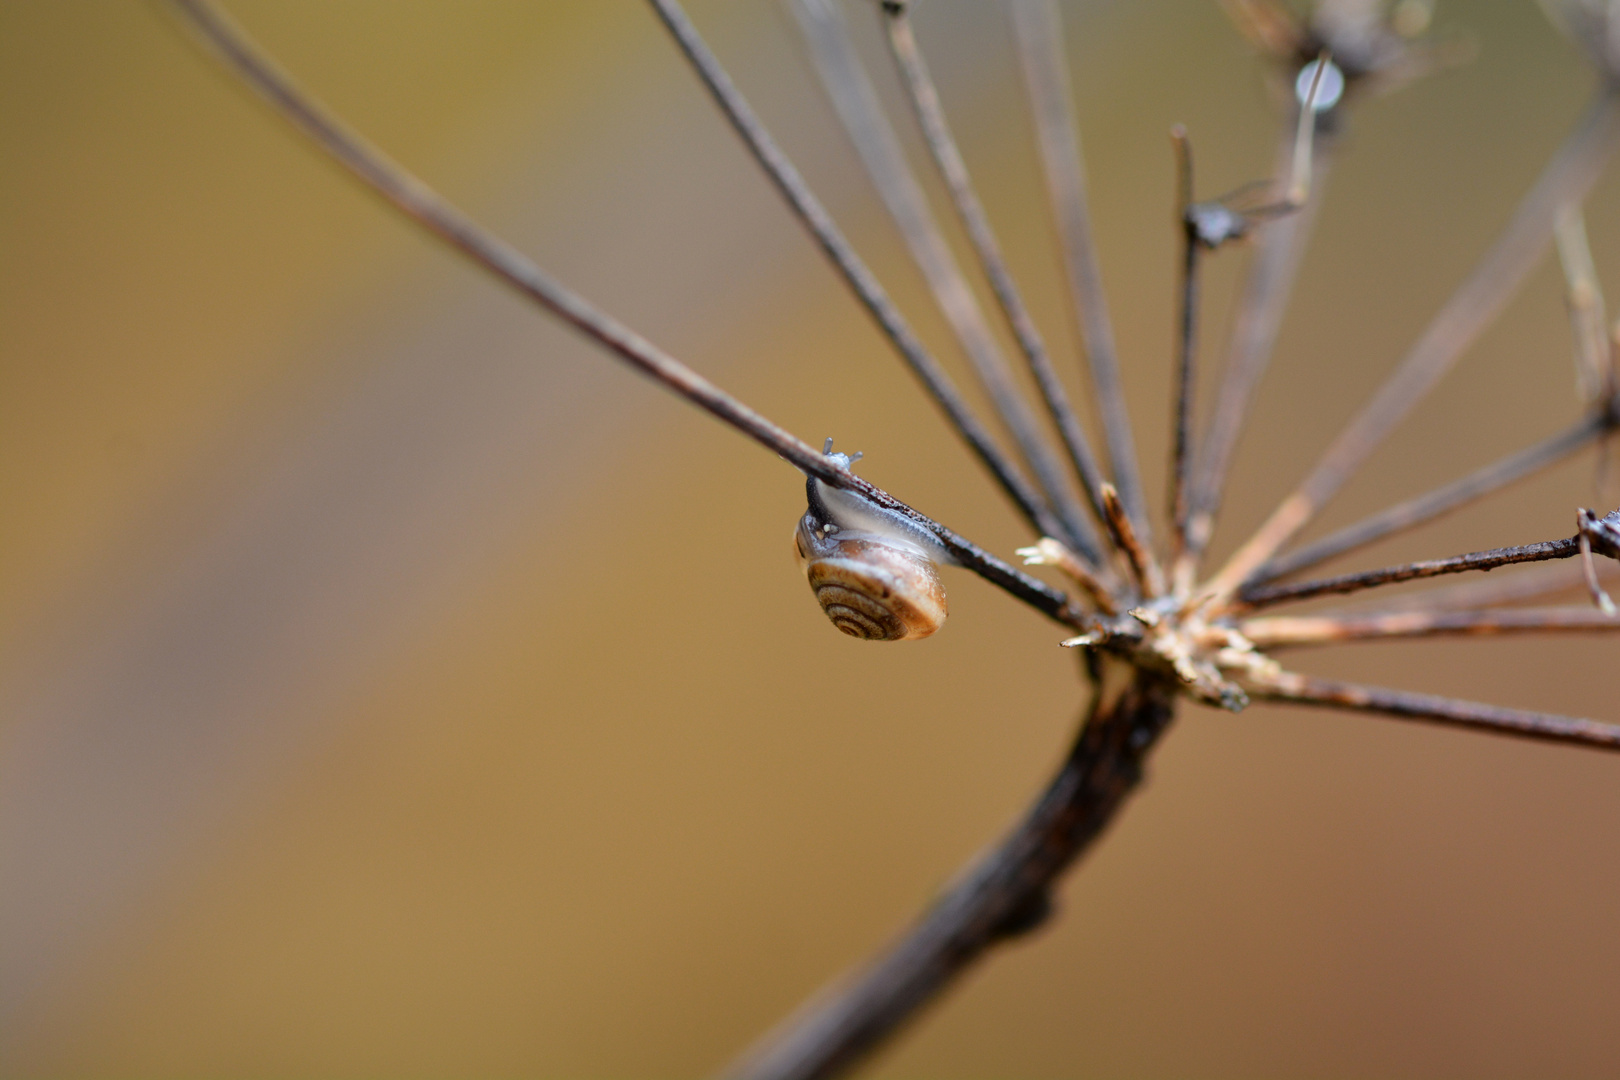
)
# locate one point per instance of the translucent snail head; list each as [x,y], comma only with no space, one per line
[873,570]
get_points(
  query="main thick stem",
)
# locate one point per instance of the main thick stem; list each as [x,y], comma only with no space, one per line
[1006,892]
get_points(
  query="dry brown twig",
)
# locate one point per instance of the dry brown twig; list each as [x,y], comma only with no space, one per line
[1153,630]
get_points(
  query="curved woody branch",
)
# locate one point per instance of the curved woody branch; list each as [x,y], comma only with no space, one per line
[1006,892]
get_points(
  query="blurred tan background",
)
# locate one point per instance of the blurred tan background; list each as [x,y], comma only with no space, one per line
[392,685]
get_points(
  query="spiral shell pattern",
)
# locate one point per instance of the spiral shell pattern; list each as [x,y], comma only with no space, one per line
[873,590]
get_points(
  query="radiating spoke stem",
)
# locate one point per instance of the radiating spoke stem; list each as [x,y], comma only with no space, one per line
[1038,31]
[1550,727]
[1050,552]
[1265,595]
[1530,583]
[1567,178]
[848,87]
[854,270]
[1279,631]
[1269,281]
[1431,505]
[1186,354]
[924,98]
[1583,294]
[1144,567]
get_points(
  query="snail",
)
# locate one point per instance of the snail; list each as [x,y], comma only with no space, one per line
[873,570]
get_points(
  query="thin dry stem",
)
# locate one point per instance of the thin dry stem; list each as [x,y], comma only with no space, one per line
[1281,631]
[1526,583]
[1183,502]
[1273,269]
[1304,154]
[1038,32]
[1567,177]
[1547,727]
[1144,567]
[1594,533]
[847,86]
[925,104]
[1266,595]
[432,212]
[1197,497]
[1050,552]
[862,282]
[1594,369]
[1186,352]
[1434,504]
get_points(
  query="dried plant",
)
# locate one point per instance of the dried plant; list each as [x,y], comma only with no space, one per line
[1156,622]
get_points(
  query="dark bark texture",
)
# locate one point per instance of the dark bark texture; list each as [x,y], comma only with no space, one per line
[1007,892]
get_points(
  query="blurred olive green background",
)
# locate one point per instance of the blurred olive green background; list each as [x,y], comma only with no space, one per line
[392,685]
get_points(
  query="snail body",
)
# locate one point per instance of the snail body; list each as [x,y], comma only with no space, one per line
[873,571]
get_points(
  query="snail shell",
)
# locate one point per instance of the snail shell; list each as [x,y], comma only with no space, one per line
[873,571]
